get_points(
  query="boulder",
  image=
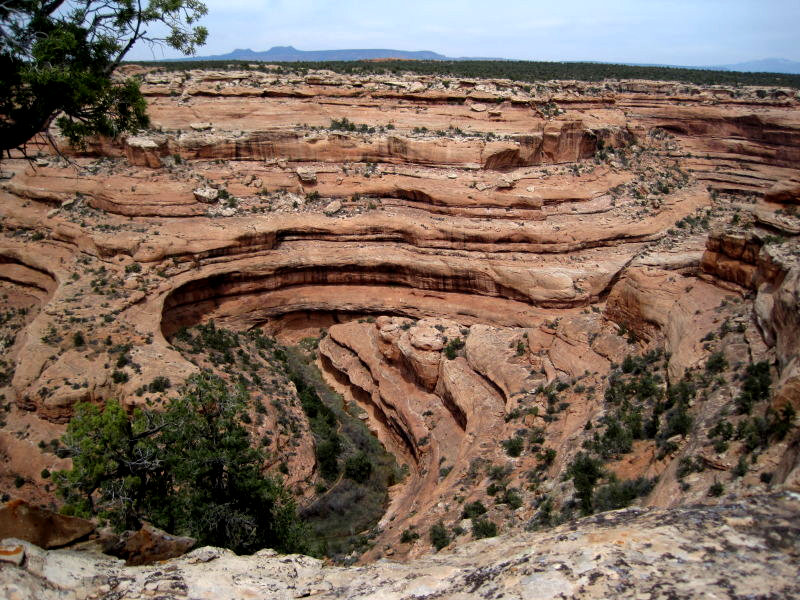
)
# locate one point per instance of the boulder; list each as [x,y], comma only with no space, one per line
[200,126]
[42,527]
[505,183]
[784,192]
[333,208]
[306,175]
[207,195]
[147,546]
[142,151]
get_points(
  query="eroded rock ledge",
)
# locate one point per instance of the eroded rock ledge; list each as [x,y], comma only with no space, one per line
[744,549]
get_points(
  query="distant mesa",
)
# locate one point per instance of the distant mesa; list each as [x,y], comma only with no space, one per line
[766,65]
[292,54]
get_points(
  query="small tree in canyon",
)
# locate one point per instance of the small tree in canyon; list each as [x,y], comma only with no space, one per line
[190,470]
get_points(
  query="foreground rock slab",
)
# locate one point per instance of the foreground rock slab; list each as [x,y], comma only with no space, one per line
[748,548]
[42,527]
[147,546]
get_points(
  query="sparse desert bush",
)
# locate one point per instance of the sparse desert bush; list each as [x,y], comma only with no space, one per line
[439,536]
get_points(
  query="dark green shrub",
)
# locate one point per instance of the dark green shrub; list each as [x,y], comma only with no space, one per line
[716,363]
[514,446]
[327,454]
[159,384]
[452,348]
[755,388]
[740,470]
[619,494]
[409,536]
[688,465]
[473,509]
[545,458]
[358,468]
[723,429]
[680,393]
[585,471]
[439,536]
[679,422]
[754,433]
[499,472]
[483,528]
[716,489]
[512,498]
[493,488]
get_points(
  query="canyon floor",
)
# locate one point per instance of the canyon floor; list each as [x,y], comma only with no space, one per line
[501,281]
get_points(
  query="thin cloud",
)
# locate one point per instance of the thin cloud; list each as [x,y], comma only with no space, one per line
[657,31]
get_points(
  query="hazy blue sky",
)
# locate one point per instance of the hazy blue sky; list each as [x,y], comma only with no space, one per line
[696,32]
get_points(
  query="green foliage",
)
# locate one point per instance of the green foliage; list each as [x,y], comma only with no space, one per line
[159,384]
[618,436]
[723,429]
[585,471]
[716,489]
[77,340]
[716,363]
[514,446]
[483,528]
[740,470]
[452,348]
[473,509]
[57,57]
[499,472]
[755,433]
[439,536]
[544,516]
[327,454]
[755,388]
[619,494]
[358,468]
[688,465]
[511,497]
[190,470]
[409,536]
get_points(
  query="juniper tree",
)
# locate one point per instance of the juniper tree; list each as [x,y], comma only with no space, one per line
[57,58]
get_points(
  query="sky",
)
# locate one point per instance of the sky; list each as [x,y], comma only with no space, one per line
[677,32]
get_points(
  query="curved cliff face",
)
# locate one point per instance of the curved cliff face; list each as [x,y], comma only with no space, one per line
[477,263]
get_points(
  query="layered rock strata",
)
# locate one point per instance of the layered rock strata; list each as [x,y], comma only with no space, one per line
[461,250]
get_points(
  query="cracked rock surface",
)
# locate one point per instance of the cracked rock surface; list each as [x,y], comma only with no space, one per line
[744,549]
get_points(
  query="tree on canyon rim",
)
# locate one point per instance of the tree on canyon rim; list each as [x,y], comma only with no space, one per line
[57,58]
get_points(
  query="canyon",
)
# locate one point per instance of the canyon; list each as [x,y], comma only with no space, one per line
[494,276]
